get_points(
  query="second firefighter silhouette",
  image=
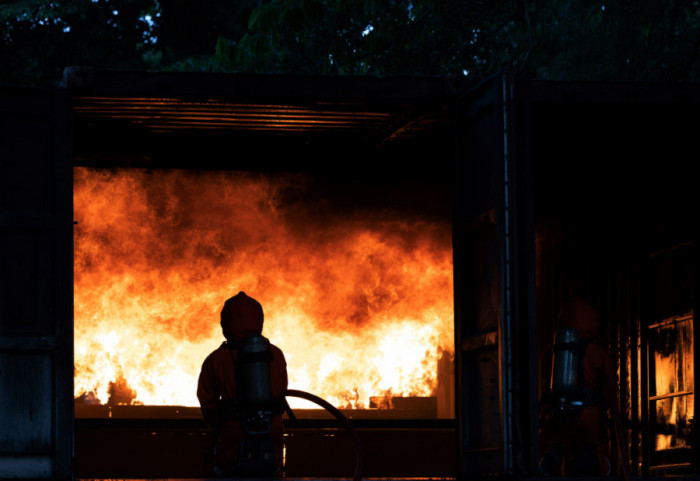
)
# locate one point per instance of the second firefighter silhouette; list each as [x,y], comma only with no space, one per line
[240,392]
[574,435]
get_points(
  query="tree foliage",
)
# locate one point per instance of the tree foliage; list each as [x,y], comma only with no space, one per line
[554,39]
[39,38]
[619,40]
[372,37]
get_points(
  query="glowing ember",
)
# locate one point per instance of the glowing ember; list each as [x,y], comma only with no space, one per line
[361,305]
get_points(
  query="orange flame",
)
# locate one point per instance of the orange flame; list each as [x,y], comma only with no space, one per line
[674,382]
[361,306]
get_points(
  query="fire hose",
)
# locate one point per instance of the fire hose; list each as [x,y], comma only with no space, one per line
[360,458]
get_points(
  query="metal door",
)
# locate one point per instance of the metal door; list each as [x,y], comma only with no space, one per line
[494,271]
[36,284]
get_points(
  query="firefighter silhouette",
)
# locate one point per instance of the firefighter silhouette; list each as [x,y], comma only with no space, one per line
[573,436]
[240,391]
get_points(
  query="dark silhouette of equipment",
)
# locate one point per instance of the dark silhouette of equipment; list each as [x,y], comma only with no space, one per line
[257,403]
[567,393]
[242,392]
[360,458]
[256,406]
[581,395]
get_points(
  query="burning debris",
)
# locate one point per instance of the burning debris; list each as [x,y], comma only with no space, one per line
[361,303]
[87,398]
[120,394]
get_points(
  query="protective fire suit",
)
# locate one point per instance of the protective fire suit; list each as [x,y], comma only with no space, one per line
[241,315]
[580,441]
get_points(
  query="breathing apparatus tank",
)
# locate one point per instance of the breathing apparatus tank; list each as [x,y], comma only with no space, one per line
[257,400]
[567,364]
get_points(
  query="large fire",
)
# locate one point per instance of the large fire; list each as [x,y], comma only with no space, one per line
[360,304]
